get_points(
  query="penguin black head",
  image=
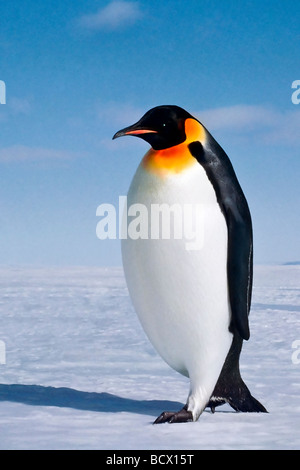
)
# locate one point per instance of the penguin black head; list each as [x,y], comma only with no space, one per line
[162,127]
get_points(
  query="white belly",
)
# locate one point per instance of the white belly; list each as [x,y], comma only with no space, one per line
[181,296]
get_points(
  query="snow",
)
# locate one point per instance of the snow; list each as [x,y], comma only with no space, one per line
[79,372]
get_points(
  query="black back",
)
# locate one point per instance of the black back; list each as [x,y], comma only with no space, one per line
[234,206]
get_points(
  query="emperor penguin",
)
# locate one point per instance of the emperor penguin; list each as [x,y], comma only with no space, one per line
[193,300]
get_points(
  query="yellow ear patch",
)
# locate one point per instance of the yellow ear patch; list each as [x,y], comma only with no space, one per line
[194,131]
[178,158]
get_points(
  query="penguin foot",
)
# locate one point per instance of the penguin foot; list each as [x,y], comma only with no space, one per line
[182,416]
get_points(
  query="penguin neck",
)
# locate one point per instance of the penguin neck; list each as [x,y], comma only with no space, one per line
[178,158]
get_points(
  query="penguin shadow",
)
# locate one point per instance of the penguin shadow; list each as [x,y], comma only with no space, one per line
[37,395]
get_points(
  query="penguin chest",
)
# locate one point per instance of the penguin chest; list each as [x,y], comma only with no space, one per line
[175,267]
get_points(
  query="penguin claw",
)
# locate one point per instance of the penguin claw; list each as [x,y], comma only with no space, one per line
[182,416]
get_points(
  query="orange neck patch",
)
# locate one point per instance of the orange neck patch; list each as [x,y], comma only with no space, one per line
[178,158]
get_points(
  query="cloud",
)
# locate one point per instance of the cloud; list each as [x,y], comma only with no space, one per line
[118,114]
[269,125]
[237,117]
[114,116]
[285,129]
[22,153]
[14,107]
[19,105]
[117,14]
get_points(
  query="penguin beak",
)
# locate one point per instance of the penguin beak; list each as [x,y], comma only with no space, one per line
[136,130]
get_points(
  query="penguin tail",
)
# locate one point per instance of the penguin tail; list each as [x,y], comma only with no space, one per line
[249,404]
[230,387]
[240,399]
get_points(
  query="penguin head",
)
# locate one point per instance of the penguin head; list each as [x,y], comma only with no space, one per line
[162,127]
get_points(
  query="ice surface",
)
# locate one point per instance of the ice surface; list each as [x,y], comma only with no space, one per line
[80,373]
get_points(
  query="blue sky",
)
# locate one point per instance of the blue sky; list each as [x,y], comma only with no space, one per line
[76,72]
